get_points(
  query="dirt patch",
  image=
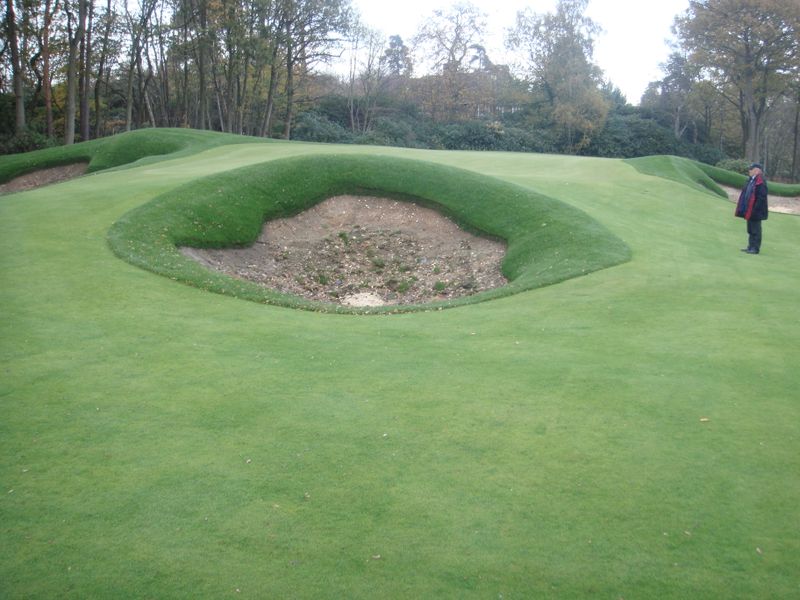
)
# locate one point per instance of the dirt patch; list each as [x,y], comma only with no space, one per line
[365,251]
[43,177]
[779,204]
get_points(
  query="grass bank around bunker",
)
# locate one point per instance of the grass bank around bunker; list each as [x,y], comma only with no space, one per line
[117,151]
[548,241]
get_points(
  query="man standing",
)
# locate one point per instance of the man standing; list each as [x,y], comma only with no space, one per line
[752,206]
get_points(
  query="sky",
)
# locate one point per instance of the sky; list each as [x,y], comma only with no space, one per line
[629,50]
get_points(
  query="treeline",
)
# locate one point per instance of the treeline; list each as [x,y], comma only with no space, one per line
[74,70]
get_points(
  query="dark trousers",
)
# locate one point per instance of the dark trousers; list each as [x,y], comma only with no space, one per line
[754,233]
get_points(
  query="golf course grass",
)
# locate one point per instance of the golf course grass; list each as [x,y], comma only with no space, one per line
[633,432]
[548,241]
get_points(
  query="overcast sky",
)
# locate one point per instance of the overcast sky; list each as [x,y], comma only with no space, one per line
[630,49]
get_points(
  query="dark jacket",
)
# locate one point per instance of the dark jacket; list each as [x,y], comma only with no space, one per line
[752,204]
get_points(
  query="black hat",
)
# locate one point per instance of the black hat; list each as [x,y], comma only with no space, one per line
[756,166]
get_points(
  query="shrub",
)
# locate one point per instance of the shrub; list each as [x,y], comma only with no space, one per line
[25,142]
[523,140]
[703,152]
[472,135]
[737,165]
[630,136]
[396,132]
[313,127]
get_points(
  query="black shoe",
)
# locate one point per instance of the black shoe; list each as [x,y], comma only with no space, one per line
[751,251]
[745,249]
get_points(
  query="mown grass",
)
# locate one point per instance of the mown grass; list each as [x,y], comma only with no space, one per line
[548,241]
[118,150]
[700,174]
[631,433]
[678,169]
[737,180]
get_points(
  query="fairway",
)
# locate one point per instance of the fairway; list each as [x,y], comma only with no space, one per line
[633,432]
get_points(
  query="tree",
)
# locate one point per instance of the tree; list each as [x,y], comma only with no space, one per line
[397,58]
[16,67]
[311,30]
[676,89]
[103,70]
[367,72]
[795,172]
[752,46]
[139,31]
[76,28]
[448,40]
[85,75]
[47,19]
[557,50]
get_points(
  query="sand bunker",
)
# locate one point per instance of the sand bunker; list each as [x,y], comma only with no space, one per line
[365,251]
[43,177]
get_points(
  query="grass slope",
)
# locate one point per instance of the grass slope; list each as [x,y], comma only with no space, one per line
[700,174]
[161,441]
[548,241]
[118,150]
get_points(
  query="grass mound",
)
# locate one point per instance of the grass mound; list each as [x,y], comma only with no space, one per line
[737,180]
[118,150]
[677,169]
[548,241]
[700,175]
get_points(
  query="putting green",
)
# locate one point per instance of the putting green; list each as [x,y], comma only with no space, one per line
[548,241]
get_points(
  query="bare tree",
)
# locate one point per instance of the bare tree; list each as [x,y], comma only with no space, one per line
[311,30]
[138,29]
[367,74]
[448,40]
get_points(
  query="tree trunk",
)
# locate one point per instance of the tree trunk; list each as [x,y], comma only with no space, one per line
[796,138]
[266,124]
[149,107]
[16,67]
[141,86]
[163,72]
[185,36]
[135,64]
[86,70]
[222,107]
[101,67]
[289,115]
[129,99]
[201,65]
[753,135]
[72,73]
[46,78]
[249,110]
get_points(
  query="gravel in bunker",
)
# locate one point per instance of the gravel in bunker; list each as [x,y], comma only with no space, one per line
[365,251]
